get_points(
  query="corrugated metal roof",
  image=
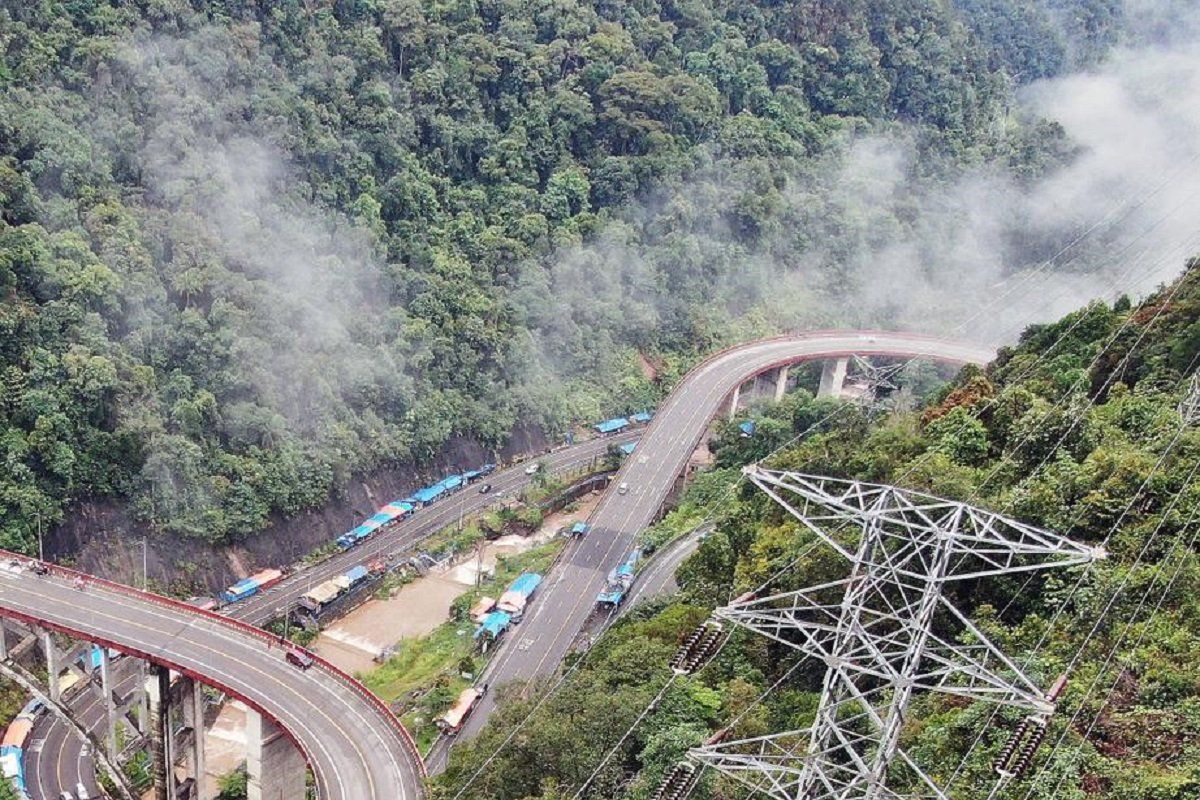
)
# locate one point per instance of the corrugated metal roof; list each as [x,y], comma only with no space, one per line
[526,583]
[611,425]
[17,732]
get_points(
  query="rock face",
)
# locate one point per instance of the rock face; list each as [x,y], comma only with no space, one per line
[102,537]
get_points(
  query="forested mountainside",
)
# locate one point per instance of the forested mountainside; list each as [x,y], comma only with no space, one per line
[248,249]
[1076,429]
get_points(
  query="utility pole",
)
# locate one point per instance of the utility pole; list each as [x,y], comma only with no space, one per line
[479,562]
[880,633]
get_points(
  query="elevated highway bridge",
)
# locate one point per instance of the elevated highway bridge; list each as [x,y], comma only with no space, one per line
[354,746]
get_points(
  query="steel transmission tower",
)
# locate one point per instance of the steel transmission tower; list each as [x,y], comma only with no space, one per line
[1189,407]
[877,631]
[875,379]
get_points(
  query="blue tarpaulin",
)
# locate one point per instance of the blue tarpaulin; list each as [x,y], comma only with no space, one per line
[493,624]
[747,427]
[627,448]
[642,417]
[357,574]
[429,493]
[612,425]
[526,583]
[579,528]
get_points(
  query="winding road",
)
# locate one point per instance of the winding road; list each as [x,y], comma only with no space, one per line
[59,761]
[544,637]
[355,746]
[339,742]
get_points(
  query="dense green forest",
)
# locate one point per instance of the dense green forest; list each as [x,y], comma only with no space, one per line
[1075,428]
[248,249]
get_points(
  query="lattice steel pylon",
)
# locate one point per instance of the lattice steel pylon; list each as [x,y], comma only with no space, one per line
[879,633]
[875,378]
[1189,407]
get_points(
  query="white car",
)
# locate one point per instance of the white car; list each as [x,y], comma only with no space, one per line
[81,792]
[623,488]
[532,468]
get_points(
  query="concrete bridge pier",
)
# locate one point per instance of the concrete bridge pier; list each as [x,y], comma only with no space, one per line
[110,704]
[158,689]
[191,700]
[275,767]
[734,400]
[833,376]
[781,382]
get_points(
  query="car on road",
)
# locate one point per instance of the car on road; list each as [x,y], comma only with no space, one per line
[41,568]
[533,468]
[299,658]
[623,488]
[487,487]
[81,792]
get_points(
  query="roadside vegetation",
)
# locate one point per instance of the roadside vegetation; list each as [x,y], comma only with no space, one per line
[1075,428]
[249,250]
[424,676]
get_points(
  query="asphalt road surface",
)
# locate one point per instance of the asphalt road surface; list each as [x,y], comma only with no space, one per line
[355,747]
[539,643]
[58,760]
[536,646]
[656,579]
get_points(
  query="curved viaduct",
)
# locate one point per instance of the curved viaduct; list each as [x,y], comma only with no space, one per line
[356,748]
[562,609]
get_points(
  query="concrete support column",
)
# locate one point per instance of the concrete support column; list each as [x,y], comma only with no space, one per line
[193,717]
[158,690]
[110,704]
[275,768]
[833,375]
[53,665]
[781,380]
[3,641]
[733,401]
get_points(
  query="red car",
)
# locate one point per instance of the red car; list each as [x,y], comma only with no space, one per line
[299,658]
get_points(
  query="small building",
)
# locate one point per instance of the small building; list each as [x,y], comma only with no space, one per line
[480,610]
[492,628]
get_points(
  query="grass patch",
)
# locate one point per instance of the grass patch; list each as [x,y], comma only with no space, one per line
[424,676]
